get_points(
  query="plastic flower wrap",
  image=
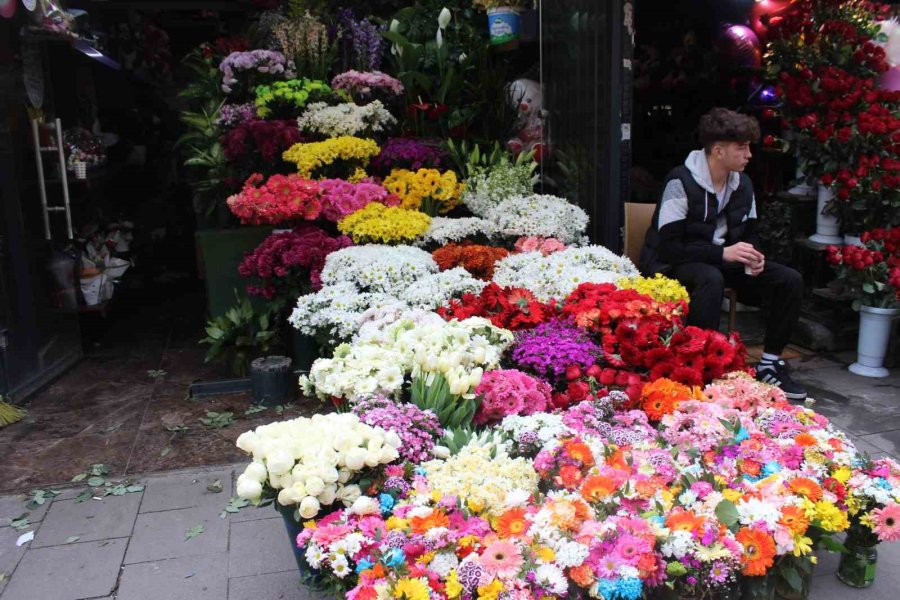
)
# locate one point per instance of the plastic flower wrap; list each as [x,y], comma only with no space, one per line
[281,198]
[541,216]
[425,189]
[313,462]
[345,119]
[557,275]
[477,260]
[659,287]
[363,86]
[377,223]
[315,158]
[287,99]
[265,62]
[407,153]
[487,188]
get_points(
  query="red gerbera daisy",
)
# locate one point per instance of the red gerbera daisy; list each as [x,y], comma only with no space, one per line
[662,369]
[687,375]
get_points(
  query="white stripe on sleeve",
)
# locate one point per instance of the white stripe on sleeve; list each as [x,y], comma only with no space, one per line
[673,206]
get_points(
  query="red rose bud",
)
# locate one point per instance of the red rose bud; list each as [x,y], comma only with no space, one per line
[578,391]
[769,140]
[561,400]
[595,372]
[768,113]
[827,179]
[573,372]
[608,377]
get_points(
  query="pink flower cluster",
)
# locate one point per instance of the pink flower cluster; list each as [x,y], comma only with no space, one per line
[282,198]
[359,84]
[341,198]
[508,392]
[283,259]
[537,244]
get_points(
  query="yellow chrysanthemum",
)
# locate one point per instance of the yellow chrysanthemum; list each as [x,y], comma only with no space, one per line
[311,157]
[802,545]
[377,223]
[396,523]
[842,474]
[490,591]
[831,517]
[425,186]
[731,494]
[452,587]
[545,554]
[411,589]
[659,287]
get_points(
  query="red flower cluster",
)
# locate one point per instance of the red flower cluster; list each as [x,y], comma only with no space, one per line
[596,382]
[601,306]
[873,268]
[280,199]
[506,307]
[286,262]
[267,139]
[477,260]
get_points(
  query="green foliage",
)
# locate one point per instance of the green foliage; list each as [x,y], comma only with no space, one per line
[458,438]
[217,420]
[433,393]
[239,335]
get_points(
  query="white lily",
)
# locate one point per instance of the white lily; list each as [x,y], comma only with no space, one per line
[439,39]
[444,18]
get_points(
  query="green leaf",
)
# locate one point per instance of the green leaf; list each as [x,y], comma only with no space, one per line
[84,495]
[194,532]
[727,513]
[254,409]
[134,488]
[79,477]
[96,481]
[20,523]
[72,539]
[792,577]
[215,487]
[832,545]
[868,287]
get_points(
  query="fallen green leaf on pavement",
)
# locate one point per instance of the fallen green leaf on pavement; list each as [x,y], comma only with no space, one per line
[73,539]
[194,532]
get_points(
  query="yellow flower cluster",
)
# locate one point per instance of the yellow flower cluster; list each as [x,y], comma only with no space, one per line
[479,480]
[414,187]
[660,288]
[379,224]
[313,156]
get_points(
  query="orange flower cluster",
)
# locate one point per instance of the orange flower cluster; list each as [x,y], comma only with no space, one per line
[759,551]
[661,397]
[477,260]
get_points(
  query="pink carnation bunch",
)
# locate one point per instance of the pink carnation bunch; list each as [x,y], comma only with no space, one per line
[538,244]
[280,199]
[341,198]
[508,392]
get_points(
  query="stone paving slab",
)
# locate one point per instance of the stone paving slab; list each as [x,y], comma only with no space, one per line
[191,578]
[259,547]
[91,520]
[13,507]
[888,441]
[186,490]
[272,586]
[161,535]
[10,554]
[70,572]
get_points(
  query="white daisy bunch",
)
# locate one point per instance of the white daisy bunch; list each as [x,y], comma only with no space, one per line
[444,230]
[356,371]
[558,274]
[433,291]
[347,119]
[335,311]
[378,268]
[487,188]
[539,215]
[313,462]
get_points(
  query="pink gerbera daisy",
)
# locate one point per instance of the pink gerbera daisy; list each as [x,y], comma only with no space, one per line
[631,547]
[608,566]
[887,523]
[502,559]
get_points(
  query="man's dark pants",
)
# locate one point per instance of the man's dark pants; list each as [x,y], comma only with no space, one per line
[778,288]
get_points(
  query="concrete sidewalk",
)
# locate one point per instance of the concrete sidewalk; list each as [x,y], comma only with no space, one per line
[134,546]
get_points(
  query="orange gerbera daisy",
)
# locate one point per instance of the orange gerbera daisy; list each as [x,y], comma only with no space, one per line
[804,439]
[583,576]
[807,488]
[597,487]
[578,450]
[512,523]
[435,519]
[759,551]
[684,520]
[661,397]
[570,477]
[750,467]
[794,518]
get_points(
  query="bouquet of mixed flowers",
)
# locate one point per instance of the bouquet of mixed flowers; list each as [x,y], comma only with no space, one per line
[280,199]
[335,156]
[346,119]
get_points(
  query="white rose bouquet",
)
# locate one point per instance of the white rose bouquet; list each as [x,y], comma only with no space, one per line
[313,462]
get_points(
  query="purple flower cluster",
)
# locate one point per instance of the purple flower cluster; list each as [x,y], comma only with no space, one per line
[551,347]
[418,429]
[406,153]
[364,45]
[283,258]
[262,61]
[361,85]
[235,114]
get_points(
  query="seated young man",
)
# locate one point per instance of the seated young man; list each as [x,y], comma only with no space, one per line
[703,235]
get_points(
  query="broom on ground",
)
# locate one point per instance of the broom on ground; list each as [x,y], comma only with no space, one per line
[9,413]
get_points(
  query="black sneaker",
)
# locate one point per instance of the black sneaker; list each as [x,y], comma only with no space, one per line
[777,374]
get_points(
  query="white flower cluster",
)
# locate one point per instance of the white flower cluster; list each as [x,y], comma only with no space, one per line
[335,311]
[312,461]
[459,350]
[540,215]
[556,275]
[488,188]
[378,268]
[444,230]
[548,427]
[374,321]
[346,119]
[433,291]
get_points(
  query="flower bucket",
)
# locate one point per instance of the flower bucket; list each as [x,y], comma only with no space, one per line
[308,576]
[504,26]
[827,227]
[874,334]
[92,288]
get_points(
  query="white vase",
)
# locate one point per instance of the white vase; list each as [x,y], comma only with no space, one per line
[802,188]
[874,334]
[852,240]
[827,227]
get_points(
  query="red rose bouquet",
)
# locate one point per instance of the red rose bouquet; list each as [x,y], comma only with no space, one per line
[873,271]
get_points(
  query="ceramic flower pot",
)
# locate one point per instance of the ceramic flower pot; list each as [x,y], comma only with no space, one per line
[875,326]
[827,227]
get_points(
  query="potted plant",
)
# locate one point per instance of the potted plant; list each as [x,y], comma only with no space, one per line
[873,272]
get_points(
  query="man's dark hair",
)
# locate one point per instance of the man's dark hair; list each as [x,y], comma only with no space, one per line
[723,125]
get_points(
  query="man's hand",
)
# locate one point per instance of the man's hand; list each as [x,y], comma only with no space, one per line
[757,268]
[742,252]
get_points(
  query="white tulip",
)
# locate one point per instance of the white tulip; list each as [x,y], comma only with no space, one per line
[388,454]
[279,461]
[299,489]
[285,481]
[289,496]
[356,459]
[256,471]
[444,18]
[393,440]
[314,486]
[344,475]
[329,474]
[462,58]
[249,489]
[365,506]
[309,507]
[375,443]
[439,38]
[395,25]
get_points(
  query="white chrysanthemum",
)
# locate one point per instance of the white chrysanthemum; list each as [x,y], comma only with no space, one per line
[539,215]
[754,510]
[378,268]
[486,189]
[570,554]
[436,290]
[346,119]
[314,555]
[444,230]
[552,579]
[678,544]
[443,563]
